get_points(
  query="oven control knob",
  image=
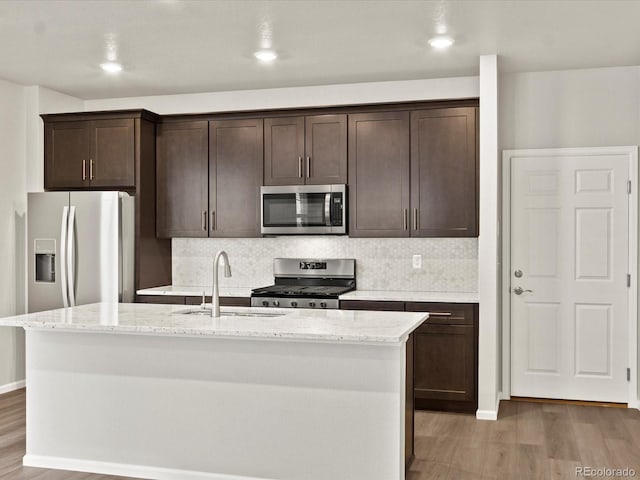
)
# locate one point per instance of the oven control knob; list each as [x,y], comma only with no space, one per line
[276,303]
[265,303]
[312,304]
[323,304]
[294,304]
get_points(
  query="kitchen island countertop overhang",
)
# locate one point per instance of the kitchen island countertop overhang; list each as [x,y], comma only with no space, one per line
[143,390]
[302,325]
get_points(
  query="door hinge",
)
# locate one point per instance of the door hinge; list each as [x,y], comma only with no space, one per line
[629,186]
[628,279]
[628,374]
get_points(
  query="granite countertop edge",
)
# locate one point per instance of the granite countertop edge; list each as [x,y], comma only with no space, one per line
[368,295]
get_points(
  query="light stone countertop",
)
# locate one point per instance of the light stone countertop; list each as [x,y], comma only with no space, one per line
[405,296]
[334,326]
[380,295]
[189,291]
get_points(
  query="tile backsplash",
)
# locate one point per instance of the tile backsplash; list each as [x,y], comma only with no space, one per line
[448,264]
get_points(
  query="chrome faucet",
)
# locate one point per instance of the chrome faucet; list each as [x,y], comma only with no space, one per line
[215,295]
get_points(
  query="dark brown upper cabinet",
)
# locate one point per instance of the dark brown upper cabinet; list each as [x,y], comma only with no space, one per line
[308,150]
[414,173]
[95,154]
[209,177]
[235,177]
[379,174]
[112,150]
[182,166]
[444,173]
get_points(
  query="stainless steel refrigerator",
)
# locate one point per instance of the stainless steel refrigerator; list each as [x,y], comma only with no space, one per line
[81,248]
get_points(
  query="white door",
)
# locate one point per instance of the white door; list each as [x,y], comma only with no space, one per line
[570,257]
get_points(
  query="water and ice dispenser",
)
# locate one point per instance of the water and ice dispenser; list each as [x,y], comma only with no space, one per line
[45,261]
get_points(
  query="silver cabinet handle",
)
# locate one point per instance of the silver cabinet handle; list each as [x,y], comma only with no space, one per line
[405,216]
[90,169]
[415,219]
[520,291]
[308,167]
[213,221]
[84,170]
[439,314]
[300,167]
[204,220]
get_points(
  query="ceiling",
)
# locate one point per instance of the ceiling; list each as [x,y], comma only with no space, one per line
[181,46]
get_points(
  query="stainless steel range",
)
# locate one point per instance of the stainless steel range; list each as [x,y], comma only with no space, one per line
[307,283]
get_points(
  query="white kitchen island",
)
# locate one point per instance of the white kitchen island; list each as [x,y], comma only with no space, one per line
[145,391]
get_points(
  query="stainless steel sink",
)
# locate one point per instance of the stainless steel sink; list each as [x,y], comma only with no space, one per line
[206,312]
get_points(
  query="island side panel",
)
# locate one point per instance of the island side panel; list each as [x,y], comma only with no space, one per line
[272,409]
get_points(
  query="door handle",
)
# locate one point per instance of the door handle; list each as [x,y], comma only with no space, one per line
[213,220]
[204,220]
[90,169]
[84,170]
[308,167]
[300,167]
[71,251]
[520,291]
[63,255]
[415,219]
[405,218]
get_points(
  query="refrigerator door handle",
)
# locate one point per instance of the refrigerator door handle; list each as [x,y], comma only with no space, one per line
[70,257]
[63,256]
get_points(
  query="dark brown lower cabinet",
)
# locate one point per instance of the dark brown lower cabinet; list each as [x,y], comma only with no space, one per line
[182,300]
[446,357]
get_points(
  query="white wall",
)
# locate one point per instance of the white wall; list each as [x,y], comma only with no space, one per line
[21,170]
[356,93]
[13,204]
[570,108]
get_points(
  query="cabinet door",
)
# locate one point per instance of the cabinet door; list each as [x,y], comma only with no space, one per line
[445,357]
[443,173]
[112,162]
[379,174]
[326,149]
[284,151]
[67,148]
[235,176]
[182,174]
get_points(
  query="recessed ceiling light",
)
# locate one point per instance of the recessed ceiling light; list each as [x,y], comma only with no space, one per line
[266,55]
[441,42]
[111,67]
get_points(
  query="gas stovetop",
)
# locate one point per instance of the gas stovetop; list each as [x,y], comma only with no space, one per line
[304,283]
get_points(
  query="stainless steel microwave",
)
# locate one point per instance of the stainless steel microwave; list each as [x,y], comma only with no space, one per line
[304,209]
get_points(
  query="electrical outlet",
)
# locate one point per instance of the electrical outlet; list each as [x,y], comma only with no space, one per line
[417,261]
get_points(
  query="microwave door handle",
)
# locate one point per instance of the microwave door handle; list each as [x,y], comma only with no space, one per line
[327,209]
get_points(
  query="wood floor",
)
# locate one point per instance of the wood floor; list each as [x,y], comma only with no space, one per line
[530,441]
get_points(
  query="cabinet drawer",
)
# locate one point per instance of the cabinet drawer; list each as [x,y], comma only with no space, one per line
[161,299]
[444,313]
[372,305]
[224,301]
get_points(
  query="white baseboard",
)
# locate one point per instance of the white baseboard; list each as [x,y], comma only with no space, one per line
[125,470]
[490,414]
[10,387]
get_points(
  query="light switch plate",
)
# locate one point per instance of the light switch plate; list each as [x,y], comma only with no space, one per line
[417,261]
